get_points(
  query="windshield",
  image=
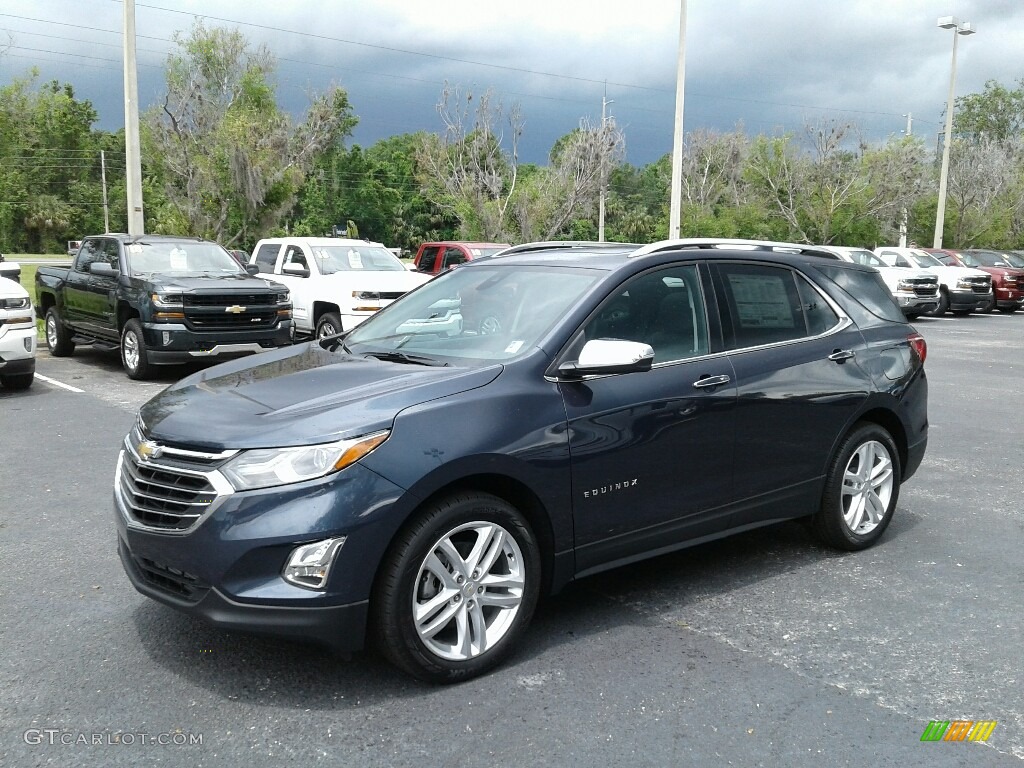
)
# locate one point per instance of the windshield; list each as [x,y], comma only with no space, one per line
[185,257]
[926,259]
[352,258]
[983,259]
[489,313]
[1014,260]
[867,258]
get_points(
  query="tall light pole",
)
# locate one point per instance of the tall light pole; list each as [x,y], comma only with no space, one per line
[676,198]
[604,166]
[960,28]
[133,155]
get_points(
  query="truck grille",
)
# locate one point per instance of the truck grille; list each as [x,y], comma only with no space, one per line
[980,284]
[223,300]
[261,318]
[171,491]
[925,286]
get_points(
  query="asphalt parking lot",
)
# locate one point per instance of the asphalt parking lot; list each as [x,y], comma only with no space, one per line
[763,649]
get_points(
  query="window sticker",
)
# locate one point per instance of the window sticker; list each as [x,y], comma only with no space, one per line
[179,259]
[514,347]
[761,301]
[475,251]
[135,248]
[355,259]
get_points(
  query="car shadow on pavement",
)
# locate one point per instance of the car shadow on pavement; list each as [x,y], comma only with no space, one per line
[262,671]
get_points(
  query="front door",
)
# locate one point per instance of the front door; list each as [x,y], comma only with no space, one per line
[651,452]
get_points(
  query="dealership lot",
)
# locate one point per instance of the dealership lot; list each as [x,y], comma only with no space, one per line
[763,649]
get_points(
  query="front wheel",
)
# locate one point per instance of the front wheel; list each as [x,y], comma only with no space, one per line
[861,490]
[58,340]
[1009,310]
[329,324]
[133,351]
[17,382]
[943,306]
[457,589]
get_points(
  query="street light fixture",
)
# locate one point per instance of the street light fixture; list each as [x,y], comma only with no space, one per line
[961,28]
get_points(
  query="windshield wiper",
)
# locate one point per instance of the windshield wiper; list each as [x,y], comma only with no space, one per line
[404,357]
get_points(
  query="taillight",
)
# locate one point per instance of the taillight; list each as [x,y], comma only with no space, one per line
[919,345]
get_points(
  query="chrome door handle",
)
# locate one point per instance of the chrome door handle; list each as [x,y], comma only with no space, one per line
[841,355]
[711,381]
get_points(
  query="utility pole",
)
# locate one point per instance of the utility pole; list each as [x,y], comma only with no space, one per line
[604,165]
[676,207]
[903,219]
[133,155]
[106,208]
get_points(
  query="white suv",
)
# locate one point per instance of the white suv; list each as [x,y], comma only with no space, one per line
[961,289]
[17,336]
[335,283]
[917,291]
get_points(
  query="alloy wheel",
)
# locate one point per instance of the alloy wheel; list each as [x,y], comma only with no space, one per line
[867,487]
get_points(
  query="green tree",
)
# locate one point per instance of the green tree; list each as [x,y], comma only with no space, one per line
[996,113]
[229,162]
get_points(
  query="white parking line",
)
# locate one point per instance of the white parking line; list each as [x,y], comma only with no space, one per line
[60,384]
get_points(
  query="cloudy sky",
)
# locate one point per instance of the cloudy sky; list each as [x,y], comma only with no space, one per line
[774,66]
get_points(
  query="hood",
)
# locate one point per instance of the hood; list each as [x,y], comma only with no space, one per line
[9,289]
[232,283]
[297,396]
[379,281]
[954,272]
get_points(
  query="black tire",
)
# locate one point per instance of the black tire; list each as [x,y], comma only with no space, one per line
[962,312]
[405,579]
[943,306]
[866,447]
[17,382]
[134,358]
[58,339]
[987,309]
[912,316]
[329,324]
[1008,310]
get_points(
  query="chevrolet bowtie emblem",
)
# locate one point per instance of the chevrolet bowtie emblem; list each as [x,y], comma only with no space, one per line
[235,309]
[147,450]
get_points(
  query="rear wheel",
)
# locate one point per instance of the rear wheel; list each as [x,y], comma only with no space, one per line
[133,351]
[58,340]
[861,490]
[457,589]
[329,324]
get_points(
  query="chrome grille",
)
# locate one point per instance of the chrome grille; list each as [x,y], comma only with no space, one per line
[163,493]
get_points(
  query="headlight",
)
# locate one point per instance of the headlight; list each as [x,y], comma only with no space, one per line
[284,298]
[366,295]
[905,285]
[167,300]
[22,303]
[266,467]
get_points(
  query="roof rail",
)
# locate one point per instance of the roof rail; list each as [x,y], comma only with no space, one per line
[734,244]
[548,244]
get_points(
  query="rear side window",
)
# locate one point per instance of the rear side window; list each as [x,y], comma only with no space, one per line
[266,256]
[768,304]
[428,259]
[867,289]
[452,257]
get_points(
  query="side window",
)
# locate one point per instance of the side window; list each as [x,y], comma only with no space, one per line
[867,289]
[664,309]
[294,255]
[818,314]
[902,261]
[111,253]
[452,256]
[763,305]
[428,259]
[91,250]
[266,257]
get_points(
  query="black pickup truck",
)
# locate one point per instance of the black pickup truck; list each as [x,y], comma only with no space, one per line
[162,300]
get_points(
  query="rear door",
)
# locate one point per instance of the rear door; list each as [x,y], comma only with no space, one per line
[795,356]
[651,452]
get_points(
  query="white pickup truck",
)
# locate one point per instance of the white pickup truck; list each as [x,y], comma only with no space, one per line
[916,291]
[335,283]
[961,289]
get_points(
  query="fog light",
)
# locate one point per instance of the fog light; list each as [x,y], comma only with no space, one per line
[167,338]
[29,343]
[309,565]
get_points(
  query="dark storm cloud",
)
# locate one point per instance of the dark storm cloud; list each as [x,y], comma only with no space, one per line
[772,67]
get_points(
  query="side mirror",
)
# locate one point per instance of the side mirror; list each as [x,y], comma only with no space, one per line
[102,268]
[607,356]
[252,269]
[295,269]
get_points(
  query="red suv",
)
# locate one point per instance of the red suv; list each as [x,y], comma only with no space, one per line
[1007,279]
[434,258]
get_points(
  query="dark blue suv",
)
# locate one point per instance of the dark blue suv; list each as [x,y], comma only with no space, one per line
[522,421]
